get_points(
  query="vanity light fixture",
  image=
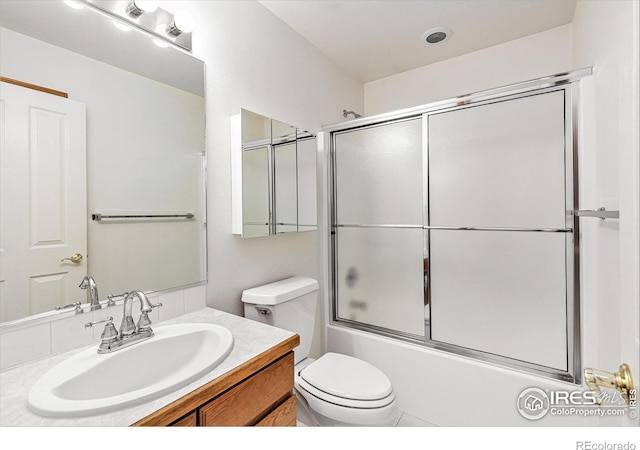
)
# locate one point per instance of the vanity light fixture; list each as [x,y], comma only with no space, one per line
[145,15]
[120,26]
[160,43]
[183,22]
[136,8]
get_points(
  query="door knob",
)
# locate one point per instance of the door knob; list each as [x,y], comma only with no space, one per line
[621,381]
[76,258]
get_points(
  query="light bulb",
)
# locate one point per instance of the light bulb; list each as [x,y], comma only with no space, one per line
[137,7]
[146,5]
[183,22]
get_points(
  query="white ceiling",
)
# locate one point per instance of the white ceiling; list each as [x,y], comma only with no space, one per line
[373,39]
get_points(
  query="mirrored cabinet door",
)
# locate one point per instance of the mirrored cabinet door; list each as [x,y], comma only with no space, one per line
[306,166]
[255,192]
[285,185]
[273,177]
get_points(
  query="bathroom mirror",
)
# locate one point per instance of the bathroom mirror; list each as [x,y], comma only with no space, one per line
[144,213]
[274,176]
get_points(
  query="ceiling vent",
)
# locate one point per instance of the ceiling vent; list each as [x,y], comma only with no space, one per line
[436,35]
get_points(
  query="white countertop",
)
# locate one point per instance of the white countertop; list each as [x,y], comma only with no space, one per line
[250,339]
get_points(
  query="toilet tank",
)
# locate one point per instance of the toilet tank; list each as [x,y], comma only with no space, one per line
[289,304]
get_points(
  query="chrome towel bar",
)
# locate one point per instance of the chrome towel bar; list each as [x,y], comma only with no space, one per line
[99,217]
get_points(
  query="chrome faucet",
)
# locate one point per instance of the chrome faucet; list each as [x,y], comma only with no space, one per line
[127,328]
[89,282]
[130,333]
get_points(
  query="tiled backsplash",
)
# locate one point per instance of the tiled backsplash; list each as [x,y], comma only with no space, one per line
[20,344]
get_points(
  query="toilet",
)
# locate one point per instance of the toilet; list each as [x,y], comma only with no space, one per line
[335,389]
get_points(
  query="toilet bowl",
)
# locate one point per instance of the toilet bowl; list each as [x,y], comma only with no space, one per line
[339,390]
[335,389]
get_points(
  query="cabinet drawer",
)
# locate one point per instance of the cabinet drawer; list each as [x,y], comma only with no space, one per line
[283,416]
[190,420]
[251,400]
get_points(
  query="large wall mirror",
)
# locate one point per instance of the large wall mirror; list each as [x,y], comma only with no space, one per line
[274,176]
[114,173]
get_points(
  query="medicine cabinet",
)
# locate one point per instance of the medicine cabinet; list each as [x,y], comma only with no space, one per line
[273,167]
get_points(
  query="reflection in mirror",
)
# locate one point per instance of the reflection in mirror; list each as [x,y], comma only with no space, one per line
[256,140]
[283,140]
[273,177]
[306,167]
[142,133]
[255,188]
[286,214]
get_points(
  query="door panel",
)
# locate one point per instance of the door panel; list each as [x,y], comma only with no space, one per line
[500,280]
[502,293]
[47,219]
[380,278]
[499,165]
[379,174]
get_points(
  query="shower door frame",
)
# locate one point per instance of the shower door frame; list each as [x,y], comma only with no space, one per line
[568,82]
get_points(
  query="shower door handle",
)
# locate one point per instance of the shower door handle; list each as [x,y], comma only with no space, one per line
[600,213]
[425,268]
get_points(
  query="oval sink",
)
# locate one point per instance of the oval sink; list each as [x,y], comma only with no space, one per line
[90,383]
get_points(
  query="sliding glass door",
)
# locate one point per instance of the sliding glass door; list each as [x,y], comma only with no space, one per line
[498,228]
[378,226]
[454,227]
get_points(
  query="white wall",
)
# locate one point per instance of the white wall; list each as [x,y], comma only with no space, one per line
[256,61]
[534,56]
[449,390]
[610,164]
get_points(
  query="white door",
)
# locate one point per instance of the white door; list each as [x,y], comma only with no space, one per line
[42,201]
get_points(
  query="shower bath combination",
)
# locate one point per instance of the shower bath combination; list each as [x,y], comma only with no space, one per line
[459,220]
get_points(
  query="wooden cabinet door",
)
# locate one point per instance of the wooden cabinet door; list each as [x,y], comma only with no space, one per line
[253,399]
[283,416]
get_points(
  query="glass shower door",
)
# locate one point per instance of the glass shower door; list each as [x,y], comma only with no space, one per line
[456,230]
[377,227]
[499,242]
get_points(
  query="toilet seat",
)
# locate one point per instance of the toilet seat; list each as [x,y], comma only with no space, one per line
[346,381]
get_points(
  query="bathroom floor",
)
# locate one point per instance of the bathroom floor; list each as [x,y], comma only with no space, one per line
[405,421]
[409,421]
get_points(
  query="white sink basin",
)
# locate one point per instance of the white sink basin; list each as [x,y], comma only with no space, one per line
[89,383]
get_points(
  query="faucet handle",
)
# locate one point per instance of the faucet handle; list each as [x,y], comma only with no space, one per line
[108,319]
[109,334]
[112,299]
[77,305]
[144,323]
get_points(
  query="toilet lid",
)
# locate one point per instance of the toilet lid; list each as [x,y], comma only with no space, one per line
[347,377]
